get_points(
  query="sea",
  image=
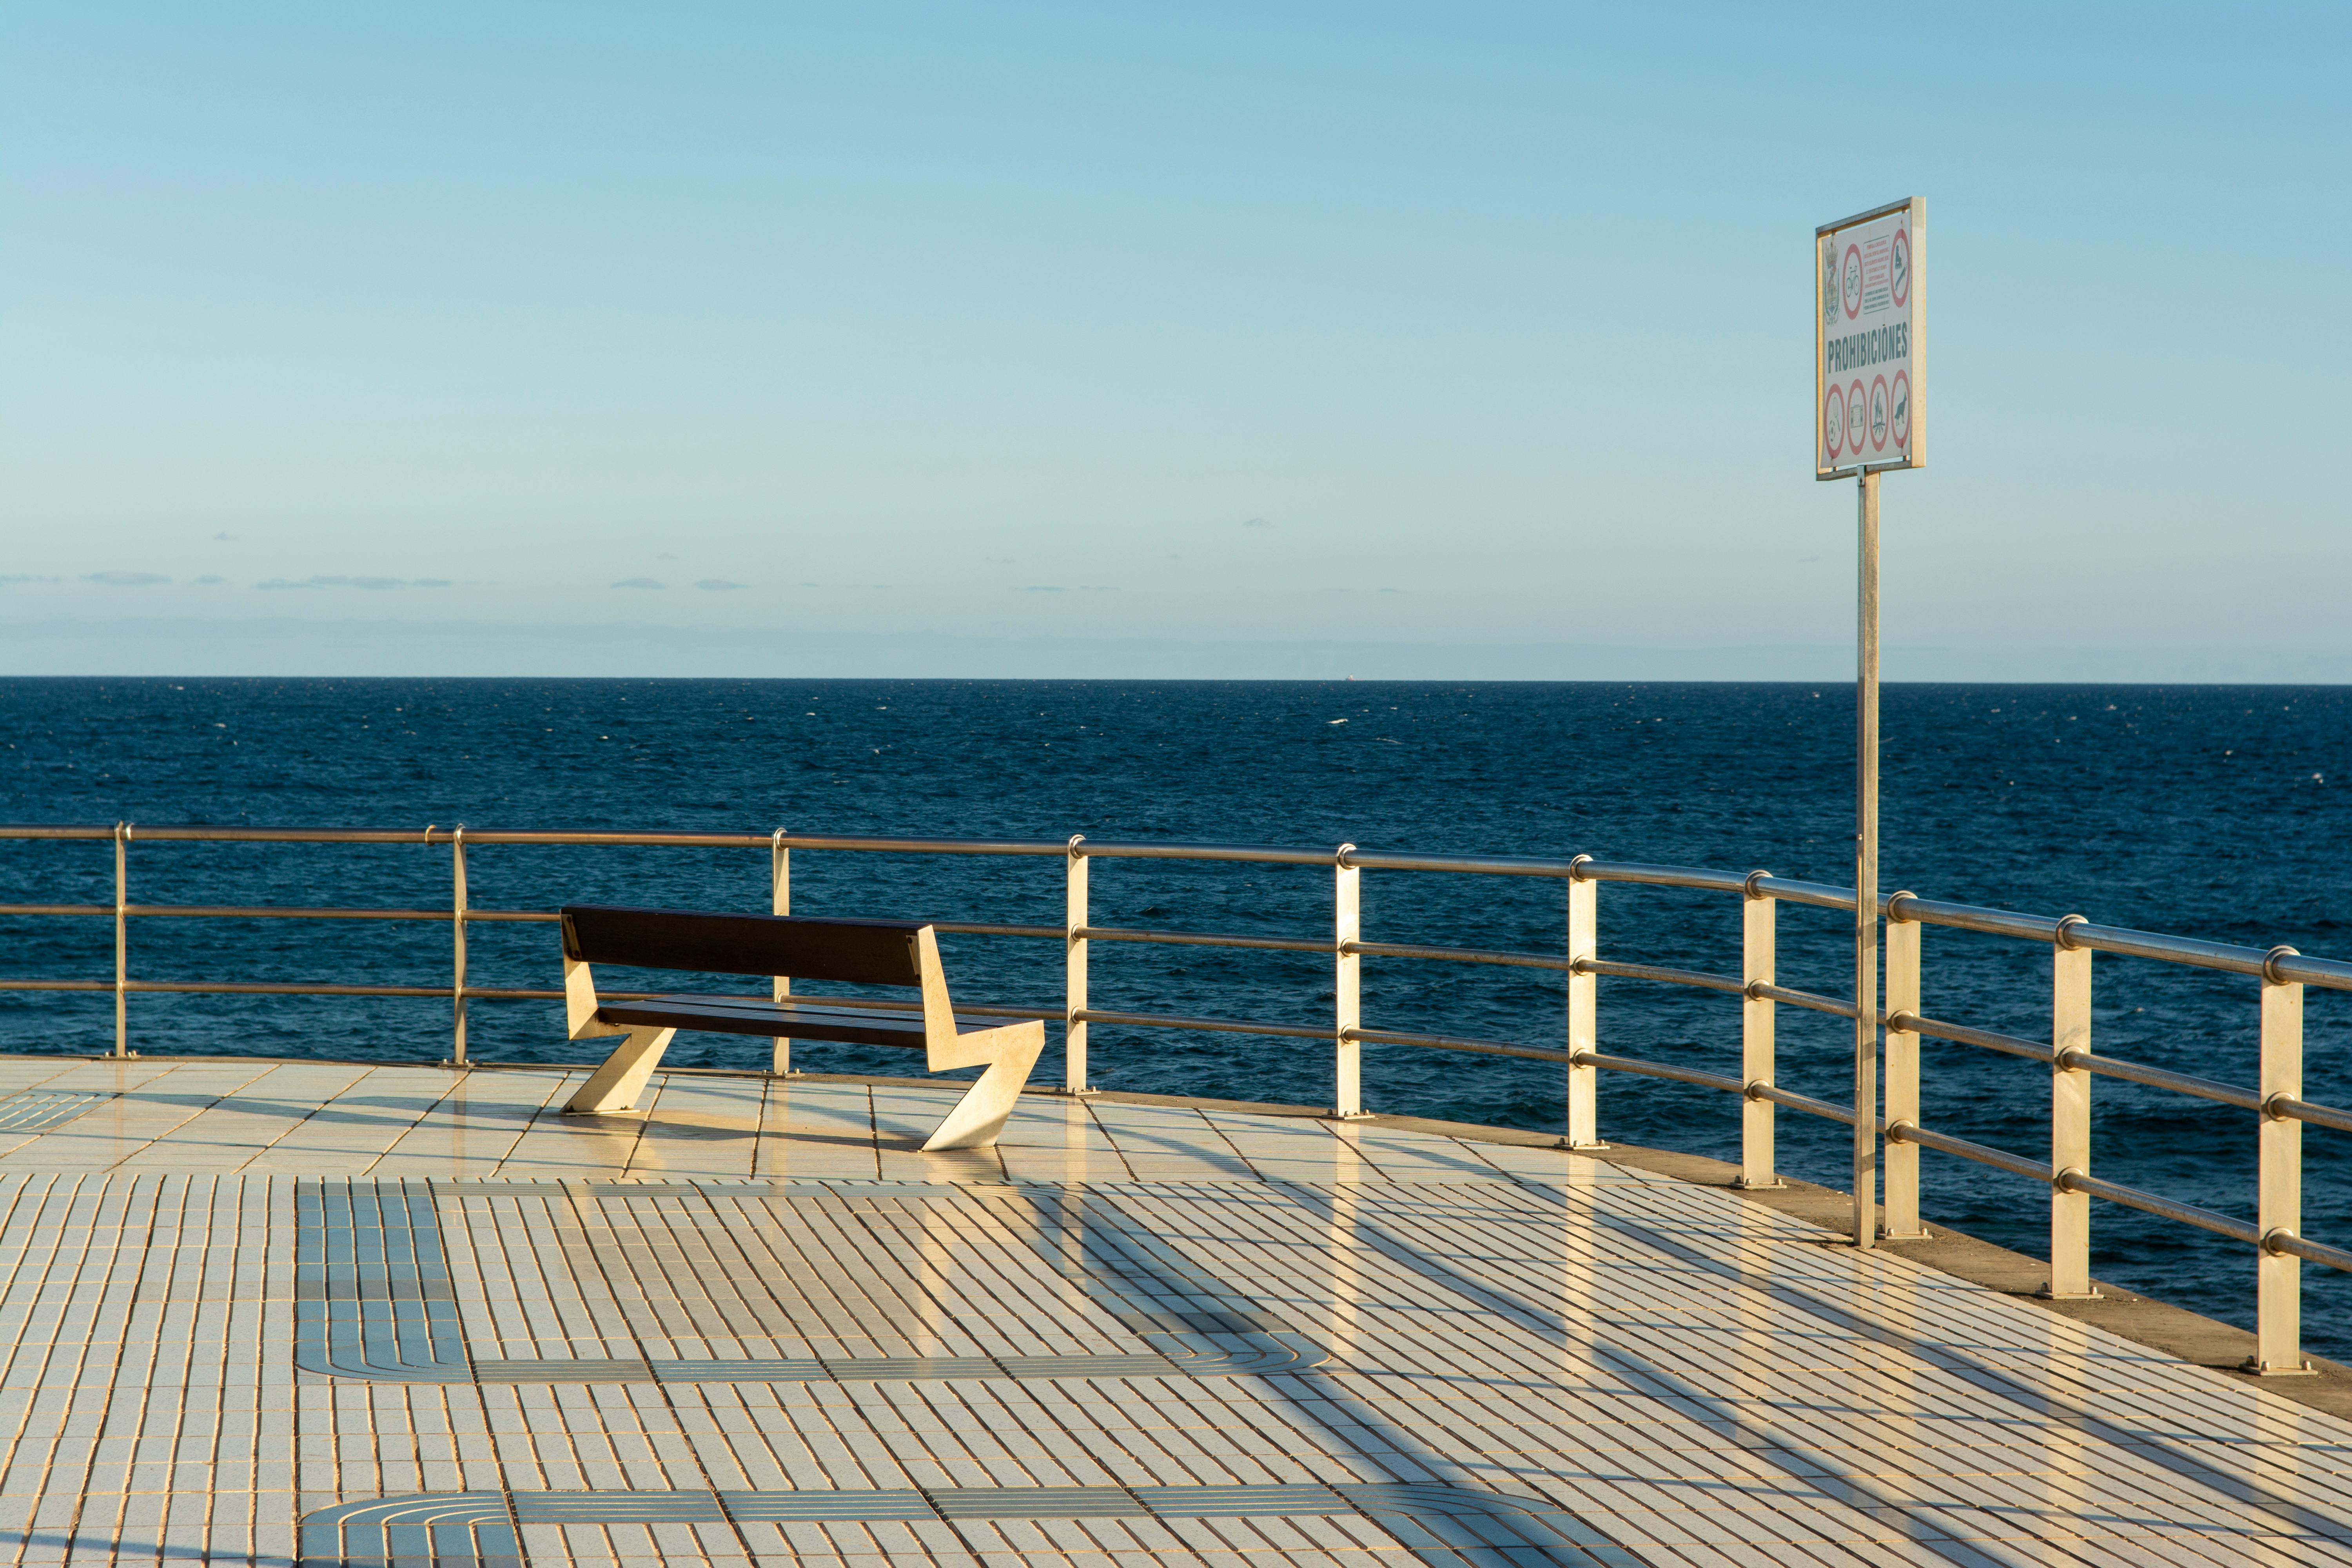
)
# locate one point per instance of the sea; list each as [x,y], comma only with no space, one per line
[2210,811]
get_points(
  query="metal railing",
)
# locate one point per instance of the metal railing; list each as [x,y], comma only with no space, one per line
[2280,972]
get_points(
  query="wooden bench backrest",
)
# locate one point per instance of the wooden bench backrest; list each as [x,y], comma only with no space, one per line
[857,953]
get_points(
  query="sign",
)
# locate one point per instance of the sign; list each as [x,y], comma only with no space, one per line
[1868,315]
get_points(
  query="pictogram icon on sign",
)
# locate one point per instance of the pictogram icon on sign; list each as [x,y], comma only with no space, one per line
[1857,418]
[1878,415]
[1898,274]
[1852,287]
[1833,421]
[1829,282]
[1898,417]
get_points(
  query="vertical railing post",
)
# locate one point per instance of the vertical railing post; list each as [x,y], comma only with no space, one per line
[780,902]
[2070,1117]
[2278,1276]
[1758,936]
[122,939]
[1347,1005]
[1583,994]
[1902,1159]
[1073,971]
[457,907]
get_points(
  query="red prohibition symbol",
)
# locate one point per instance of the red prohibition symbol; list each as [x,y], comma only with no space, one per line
[1878,415]
[1898,417]
[1852,283]
[1833,421]
[1857,418]
[1898,265]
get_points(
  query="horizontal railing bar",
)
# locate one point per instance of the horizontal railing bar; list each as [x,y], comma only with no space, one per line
[1704,982]
[1822,895]
[548,917]
[2319,1115]
[2295,1246]
[1982,1153]
[1970,916]
[1473,865]
[1203,938]
[1937,1029]
[1454,1043]
[1456,954]
[1657,1069]
[893,846]
[1212,1026]
[1663,876]
[1263,854]
[278,912]
[273,988]
[2161,1077]
[1811,1001]
[56,909]
[2191,952]
[2329,973]
[2077,1182]
[472,993]
[2110,1067]
[2149,1203]
[1804,1102]
[969,928]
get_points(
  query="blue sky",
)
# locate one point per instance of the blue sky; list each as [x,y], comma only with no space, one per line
[1436,340]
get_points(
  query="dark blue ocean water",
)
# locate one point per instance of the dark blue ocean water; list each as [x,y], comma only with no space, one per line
[2216,812]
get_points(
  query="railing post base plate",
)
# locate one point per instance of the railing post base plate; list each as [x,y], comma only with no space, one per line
[1922,1234]
[2263,1369]
[1581,1148]
[2047,1294]
[1743,1185]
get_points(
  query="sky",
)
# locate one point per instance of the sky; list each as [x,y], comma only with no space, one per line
[1294,341]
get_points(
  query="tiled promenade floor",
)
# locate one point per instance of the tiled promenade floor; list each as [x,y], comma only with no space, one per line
[274,1314]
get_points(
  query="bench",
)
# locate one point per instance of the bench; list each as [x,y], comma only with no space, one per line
[849,952]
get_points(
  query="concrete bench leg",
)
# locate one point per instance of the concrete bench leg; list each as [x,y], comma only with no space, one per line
[980,1115]
[617,1084]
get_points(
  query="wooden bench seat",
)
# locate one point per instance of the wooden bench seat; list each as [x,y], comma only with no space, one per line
[850,952]
[801,1020]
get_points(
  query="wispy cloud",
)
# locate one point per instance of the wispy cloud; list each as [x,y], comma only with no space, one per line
[125,579]
[640,583]
[371,583]
[1256,522]
[23,577]
[1058,588]
[210,582]
[719,584]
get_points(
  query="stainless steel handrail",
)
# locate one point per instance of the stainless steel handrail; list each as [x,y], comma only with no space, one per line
[1212,1026]
[1693,977]
[1641,1068]
[1203,939]
[1982,1153]
[2277,967]
[1804,1102]
[2330,973]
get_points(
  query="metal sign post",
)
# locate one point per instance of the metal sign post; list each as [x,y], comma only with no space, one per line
[1868,311]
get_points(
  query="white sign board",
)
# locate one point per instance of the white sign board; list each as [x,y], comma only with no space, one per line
[1868,313]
